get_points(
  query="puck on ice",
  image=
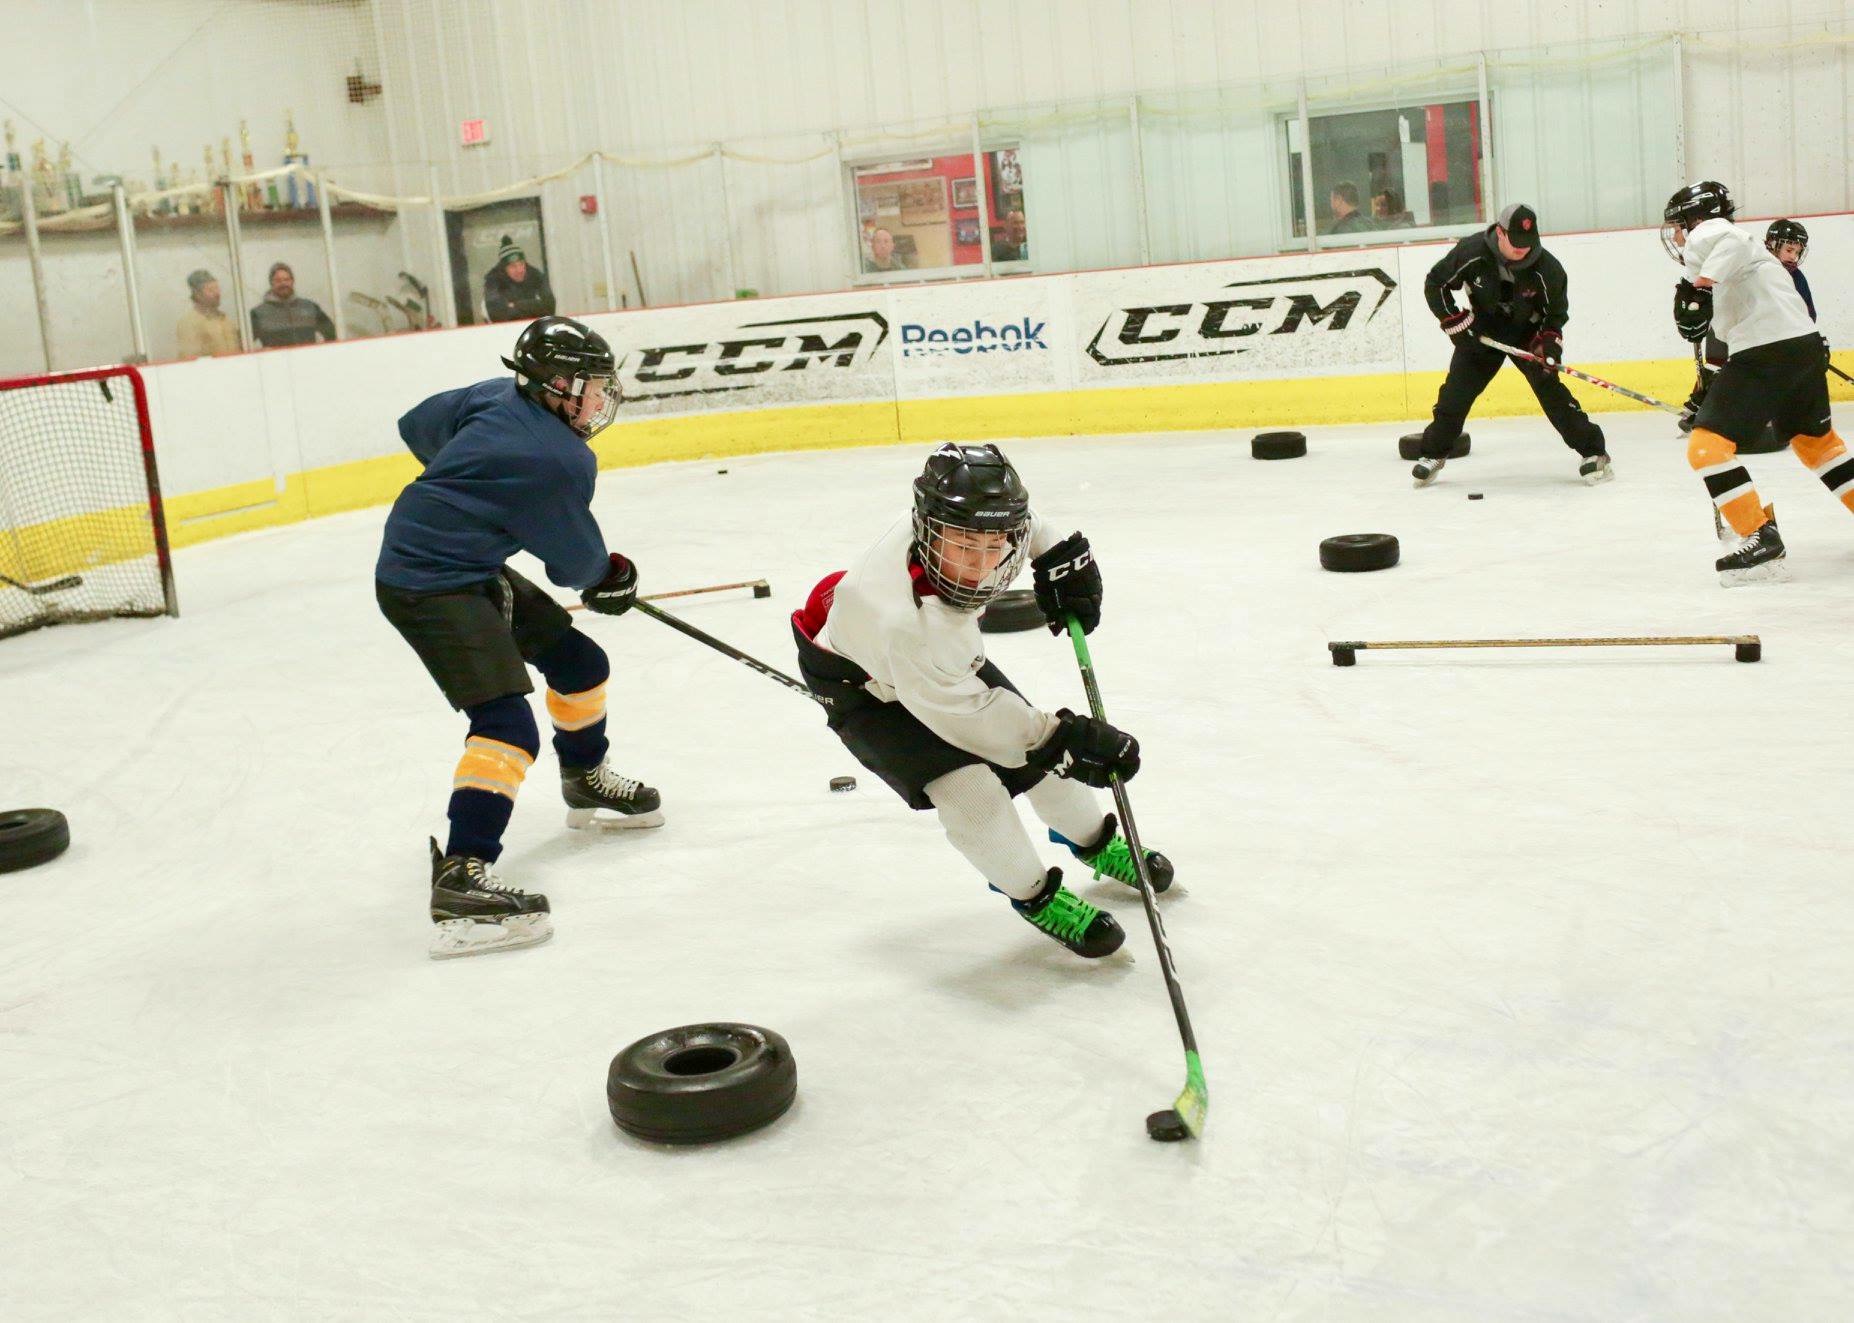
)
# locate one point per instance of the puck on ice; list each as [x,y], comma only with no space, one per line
[1474,496]
[840,784]
[1167,1127]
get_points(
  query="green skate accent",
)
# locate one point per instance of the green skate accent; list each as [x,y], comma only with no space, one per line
[1066,917]
[1115,860]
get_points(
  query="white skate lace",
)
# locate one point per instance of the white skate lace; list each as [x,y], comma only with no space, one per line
[611,783]
[481,879]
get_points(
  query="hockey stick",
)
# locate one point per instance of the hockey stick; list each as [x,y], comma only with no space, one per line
[797,686]
[1839,373]
[1639,398]
[760,589]
[1185,1118]
[49,586]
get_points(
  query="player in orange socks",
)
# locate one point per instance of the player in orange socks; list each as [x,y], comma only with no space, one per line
[1775,373]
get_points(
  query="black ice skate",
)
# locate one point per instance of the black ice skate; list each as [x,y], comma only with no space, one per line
[475,912]
[1756,559]
[600,799]
[1088,932]
[1595,469]
[1111,856]
[1427,470]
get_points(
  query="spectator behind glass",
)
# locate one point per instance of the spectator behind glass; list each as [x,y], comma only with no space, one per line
[1010,239]
[513,290]
[1344,204]
[1387,210]
[882,254]
[203,329]
[283,319]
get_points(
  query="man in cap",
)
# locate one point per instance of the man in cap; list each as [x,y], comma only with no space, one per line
[1516,295]
[514,290]
[203,329]
[285,319]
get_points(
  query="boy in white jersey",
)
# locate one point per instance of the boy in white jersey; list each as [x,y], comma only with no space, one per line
[1775,372]
[893,644]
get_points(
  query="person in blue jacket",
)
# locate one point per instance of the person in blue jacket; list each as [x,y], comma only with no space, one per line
[507,469]
[1787,241]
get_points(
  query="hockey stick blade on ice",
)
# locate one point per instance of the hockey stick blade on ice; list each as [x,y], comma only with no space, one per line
[1624,391]
[1184,1119]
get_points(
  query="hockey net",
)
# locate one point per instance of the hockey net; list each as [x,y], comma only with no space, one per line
[82,533]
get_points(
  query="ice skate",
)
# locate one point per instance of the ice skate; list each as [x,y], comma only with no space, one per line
[601,800]
[1111,856]
[1759,558]
[474,912]
[1427,470]
[1595,469]
[1088,932]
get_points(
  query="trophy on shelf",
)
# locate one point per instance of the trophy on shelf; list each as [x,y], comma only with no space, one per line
[68,183]
[215,201]
[45,197]
[254,200]
[162,181]
[225,168]
[301,188]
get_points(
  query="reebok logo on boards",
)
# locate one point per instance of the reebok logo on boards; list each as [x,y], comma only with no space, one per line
[981,337]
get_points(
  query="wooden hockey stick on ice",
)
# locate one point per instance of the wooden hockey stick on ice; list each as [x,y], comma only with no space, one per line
[760,589]
[1594,380]
[1746,647]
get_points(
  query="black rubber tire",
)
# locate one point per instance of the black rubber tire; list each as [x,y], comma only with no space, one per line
[31,836]
[1278,445]
[1353,553]
[1767,442]
[699,1083]
[1011,612]
[1410,446]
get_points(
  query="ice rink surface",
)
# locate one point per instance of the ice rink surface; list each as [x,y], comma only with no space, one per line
[1522,979]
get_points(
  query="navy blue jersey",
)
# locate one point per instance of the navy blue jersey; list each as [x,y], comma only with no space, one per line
[502,475]
[1802,288]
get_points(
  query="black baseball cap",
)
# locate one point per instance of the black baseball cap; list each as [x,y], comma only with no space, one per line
[1521,224]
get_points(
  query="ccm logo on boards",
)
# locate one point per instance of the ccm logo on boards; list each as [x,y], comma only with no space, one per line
[1211,328]
[758,351]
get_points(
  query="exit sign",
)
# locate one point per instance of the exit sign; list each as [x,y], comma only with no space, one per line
[473,132]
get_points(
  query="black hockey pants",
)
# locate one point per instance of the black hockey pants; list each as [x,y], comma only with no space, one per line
[1469,371]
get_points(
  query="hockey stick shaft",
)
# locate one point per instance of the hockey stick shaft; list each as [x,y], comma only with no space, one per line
[756,584]
[1593,379]
[1194,1102]
[1839,373]
[726,650]
[40,589]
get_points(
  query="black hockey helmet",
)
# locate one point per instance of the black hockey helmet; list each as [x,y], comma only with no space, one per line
[552,348]
[969,489]
[1787,231]
[1691,205]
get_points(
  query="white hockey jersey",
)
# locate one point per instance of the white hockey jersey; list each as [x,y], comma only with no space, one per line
[926,656]
[1754,301]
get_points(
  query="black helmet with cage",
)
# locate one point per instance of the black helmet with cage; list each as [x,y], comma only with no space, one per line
[556,349]
[1787,231]
[1690,205]
[965,496]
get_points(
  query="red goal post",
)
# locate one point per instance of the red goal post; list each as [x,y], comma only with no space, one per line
[83,535]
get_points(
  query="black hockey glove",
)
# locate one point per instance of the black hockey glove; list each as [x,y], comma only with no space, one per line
[1457,326]
[1548,345]
[1068,583]
[1692,311]
[616,593]
[1089,751]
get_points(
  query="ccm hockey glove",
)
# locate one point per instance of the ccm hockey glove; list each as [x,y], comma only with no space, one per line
[1456,326]
[1068,583]
[1692,311]
[616,593]
[1086,750]
[1548,345]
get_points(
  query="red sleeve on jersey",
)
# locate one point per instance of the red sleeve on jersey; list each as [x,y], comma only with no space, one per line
[810,617]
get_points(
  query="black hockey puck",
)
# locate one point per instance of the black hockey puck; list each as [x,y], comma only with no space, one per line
[1410,446]
[1167,1127]
[31,836]
[840,784]
[1352,553]
[720,470]
[1748,652]
[1344,654]
[1474,496]
[762,590]
[1278,445]
[1011,612]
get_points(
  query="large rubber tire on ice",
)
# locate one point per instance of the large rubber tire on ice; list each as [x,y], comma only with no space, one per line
[1410,446]
[1011,612]
[1353,553]
[31,836]
[1767,442]
[1278,445]
[699,1083]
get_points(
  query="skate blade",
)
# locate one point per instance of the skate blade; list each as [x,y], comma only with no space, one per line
[588,819]
[1597,479]
[1420,483]
[1771,571]
[468,937]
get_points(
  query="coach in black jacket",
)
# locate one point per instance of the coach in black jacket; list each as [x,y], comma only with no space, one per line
[1516,295]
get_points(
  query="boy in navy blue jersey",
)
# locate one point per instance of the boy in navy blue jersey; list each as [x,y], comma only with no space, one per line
[507,469]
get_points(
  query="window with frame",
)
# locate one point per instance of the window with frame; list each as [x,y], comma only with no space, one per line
[922,215]
[1398,168]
